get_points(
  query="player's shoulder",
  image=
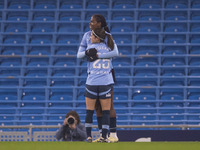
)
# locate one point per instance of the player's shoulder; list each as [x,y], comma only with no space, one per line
[87,33]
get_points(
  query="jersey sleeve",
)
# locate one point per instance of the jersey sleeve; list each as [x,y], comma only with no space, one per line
[82,47]
[110,54]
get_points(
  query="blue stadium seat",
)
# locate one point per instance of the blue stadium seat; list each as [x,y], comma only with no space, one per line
[64,61]
[121,62]
[63,72]
[120,94]
[16,27]
[81,81]
[123,4]
[194,27]
[194,61]
[122,27]
[17,16]
[14,39]
[174,50]
[174,39]
[146,61]
[195,39]
[172,82]
[62,82]
[125,50]
[194,50]
[123,16]
[69,28]
[8,94]
[39,82]
[195,4]
[193,82]
[175,27]
[18,4]
[145,82]
[153,4]
[45,4]
[195,16]
[178,4]
[37,62]
[89,14]
[144,94]
[148,27]
[42,27]
[9,82]
[43,16]
[193,94]
[68,39]
[95,4]
[41,39]
[122,39]
[12,50]
[61,95]
[121,72]
[66,50]
[122,82]
[35,72]
[10,62]
[147,50]
[149,16]
[175,61]
[147,39]
[71,4]
[171,94]
[193,72]
[145,72]
[33,95]
[173,72]
[39,50]
[175,15]
[70,16]
[10,72]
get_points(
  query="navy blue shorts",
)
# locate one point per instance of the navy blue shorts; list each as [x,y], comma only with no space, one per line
[98,91]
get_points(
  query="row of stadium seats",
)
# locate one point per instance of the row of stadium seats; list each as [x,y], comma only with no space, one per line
[114,15]
[67,28]
[103,4]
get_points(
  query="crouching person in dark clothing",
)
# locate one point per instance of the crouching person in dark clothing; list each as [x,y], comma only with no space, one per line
[72,129]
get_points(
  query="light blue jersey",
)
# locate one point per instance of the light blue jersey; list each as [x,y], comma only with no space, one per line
[99,71]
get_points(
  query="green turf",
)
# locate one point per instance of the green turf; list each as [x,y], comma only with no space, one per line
[99,146]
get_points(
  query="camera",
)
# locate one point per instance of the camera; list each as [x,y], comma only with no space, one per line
[70,120]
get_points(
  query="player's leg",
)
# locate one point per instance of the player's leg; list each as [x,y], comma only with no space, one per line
[90,97]
[113,132]
[105,101]
[98,110]
[105,104]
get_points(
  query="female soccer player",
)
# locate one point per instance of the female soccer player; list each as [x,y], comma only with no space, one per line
[98,21]
[99,81]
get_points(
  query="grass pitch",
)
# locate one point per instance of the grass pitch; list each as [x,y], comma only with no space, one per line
[99,146]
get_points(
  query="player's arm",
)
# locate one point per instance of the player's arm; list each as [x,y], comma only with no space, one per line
[82,47]
[110,54]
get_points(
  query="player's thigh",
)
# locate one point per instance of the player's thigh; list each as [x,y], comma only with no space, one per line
[90,103]
[105,104]
[91,94]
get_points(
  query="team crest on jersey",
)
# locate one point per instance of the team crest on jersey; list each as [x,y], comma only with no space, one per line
[108,95]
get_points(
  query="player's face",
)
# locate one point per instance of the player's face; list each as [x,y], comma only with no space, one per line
[94,39]
[94,24]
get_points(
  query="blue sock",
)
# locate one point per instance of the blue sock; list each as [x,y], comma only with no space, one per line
[99,120]
[88,122]
[105,122]
[113,124]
